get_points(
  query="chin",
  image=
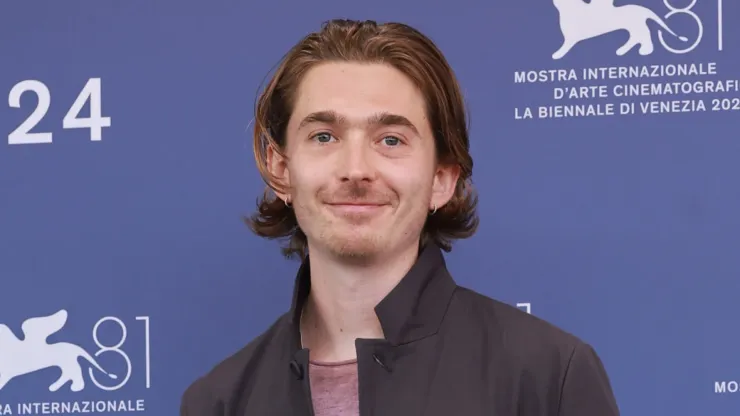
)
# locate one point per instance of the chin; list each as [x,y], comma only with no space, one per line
[354,243]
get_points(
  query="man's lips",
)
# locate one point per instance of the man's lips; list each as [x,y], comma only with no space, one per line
[355,207]
[359,204]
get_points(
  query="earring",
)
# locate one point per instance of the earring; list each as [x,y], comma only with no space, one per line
[287,202]
[433,210]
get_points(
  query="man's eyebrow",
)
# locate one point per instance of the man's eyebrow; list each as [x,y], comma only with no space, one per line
[325,117]
[388,119]
[378,119]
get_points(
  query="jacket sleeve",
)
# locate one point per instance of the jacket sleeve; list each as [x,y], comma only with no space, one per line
[199,401]
[586,389]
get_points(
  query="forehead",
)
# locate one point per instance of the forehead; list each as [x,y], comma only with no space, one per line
[357,91]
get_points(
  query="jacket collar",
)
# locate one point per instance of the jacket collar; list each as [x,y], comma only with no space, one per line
[414,309]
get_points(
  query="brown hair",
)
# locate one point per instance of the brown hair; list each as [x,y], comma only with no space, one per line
[407,50]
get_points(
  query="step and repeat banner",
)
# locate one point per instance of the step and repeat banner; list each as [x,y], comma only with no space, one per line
[606,137]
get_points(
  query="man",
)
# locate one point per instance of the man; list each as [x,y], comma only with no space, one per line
[361,136]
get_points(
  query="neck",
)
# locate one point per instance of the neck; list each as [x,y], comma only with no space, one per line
[341,305]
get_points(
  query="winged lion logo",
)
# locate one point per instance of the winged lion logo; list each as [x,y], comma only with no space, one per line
[580,21]
[33,353]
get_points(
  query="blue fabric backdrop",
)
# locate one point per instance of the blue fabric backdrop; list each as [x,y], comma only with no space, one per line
[127,167]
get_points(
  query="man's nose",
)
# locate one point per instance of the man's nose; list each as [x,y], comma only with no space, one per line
[356,160]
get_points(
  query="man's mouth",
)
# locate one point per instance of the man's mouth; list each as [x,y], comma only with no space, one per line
[355,207]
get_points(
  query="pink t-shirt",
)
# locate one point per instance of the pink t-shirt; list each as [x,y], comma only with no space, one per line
[334,388]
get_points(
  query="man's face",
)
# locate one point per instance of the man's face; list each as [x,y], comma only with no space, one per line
[361,165]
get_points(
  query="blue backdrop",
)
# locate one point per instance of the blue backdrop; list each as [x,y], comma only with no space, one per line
[608,188]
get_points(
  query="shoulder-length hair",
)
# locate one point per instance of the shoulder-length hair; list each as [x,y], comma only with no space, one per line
[415,55]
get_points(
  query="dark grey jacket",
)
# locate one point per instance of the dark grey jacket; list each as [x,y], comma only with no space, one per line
[448,352]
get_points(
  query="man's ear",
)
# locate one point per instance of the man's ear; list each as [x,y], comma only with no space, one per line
[443,187]
[277,166]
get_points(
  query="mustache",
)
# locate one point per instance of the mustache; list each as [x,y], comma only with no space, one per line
[357,193]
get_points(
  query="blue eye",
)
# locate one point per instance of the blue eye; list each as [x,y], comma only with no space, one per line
[391,141]
[323,137]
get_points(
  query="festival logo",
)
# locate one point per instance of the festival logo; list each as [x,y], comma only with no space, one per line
[32,354]
[636,80]
[580,21]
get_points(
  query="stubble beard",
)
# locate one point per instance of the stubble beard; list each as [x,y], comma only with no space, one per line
[359,239]
[353,243]
[361,242]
